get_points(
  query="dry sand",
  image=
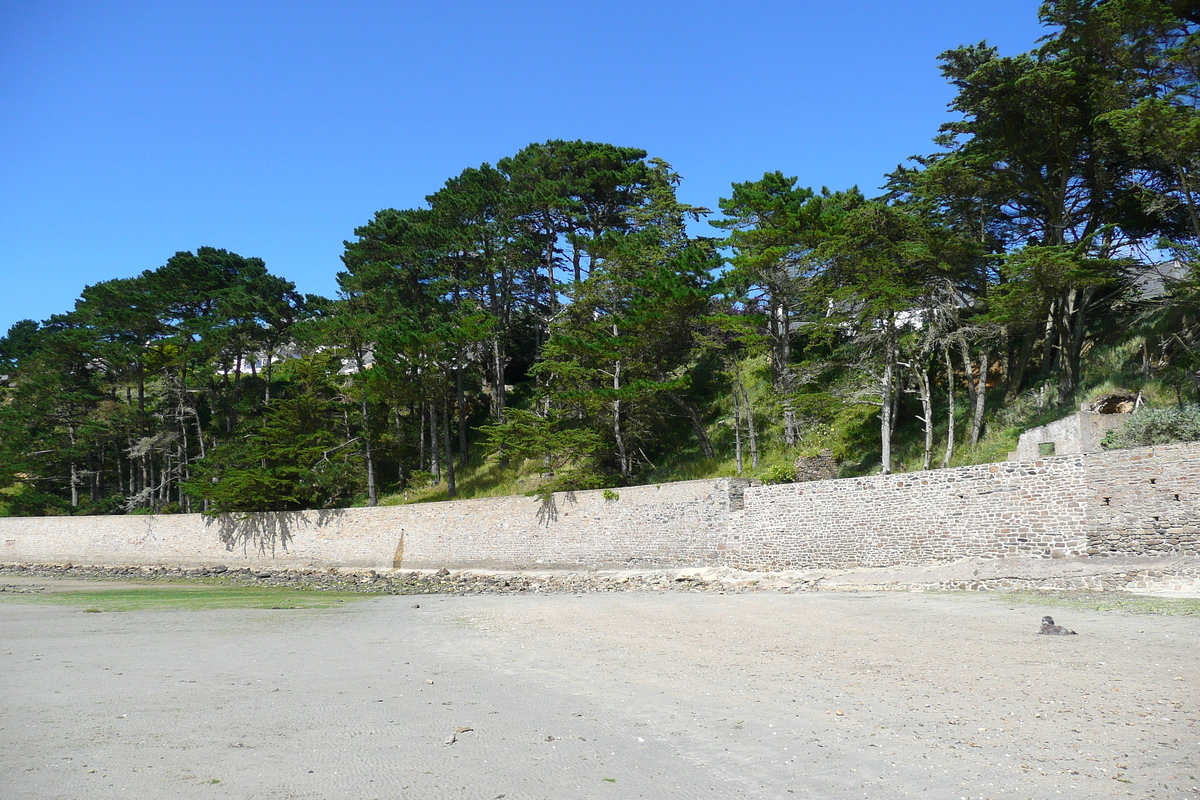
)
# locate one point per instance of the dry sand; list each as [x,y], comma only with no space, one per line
[673,695]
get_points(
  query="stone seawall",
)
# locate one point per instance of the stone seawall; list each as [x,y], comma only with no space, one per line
[1142,502]
[670,525]
[1023,509]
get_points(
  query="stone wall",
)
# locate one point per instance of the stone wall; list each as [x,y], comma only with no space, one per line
[1144,501]
[821,467]
[676,524]
[1131,502]
[1032,509]
[1079,433]
[671,524]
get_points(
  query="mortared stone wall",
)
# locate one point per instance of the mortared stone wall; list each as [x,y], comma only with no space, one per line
[1140,502]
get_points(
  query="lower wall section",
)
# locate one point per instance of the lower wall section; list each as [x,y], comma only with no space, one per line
[676,524]
[1130,502]
[350,537]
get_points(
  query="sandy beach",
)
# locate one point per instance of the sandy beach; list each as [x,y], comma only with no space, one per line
[637,695]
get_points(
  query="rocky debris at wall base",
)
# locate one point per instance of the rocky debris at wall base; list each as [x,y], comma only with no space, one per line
[1176,575]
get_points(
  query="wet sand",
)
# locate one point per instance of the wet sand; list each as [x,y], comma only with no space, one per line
[672,695]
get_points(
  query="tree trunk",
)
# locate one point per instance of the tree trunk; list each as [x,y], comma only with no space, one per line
[462,416]
[94,466]
[781,367]
[737,425]
[74,467]
[435,459]
[751,431]
[451,485]
[401,483]
[372,495]
[421,441]
[1015,377]
[576,256]
[705,445]
[1050,349]
[130,486]
[1189,199]
[886,390]
[199,433]
[1081,300]
[548,258]
[923,387]
[267,373]
[968,370]
[185,471]
[147,477]
[120,468]
[950,378]
[498,392]
[980,398]
[616,416]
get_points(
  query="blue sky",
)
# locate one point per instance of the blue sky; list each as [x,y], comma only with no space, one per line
[132,130]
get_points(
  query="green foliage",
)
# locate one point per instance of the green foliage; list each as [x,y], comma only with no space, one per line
[556,441]
[1149,426]
[818,407]
[23,500]
[292,458]
[20,341]
[549,324]
[780,473]
[419,479]
[855,435]
[576,479]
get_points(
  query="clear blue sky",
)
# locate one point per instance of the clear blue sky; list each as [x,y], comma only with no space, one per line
[130,130]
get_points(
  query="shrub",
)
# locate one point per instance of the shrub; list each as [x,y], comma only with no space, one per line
[21,500]
[419,479]
[1155,426]
[780,473]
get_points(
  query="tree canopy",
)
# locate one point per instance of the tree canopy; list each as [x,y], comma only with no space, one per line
[562,308]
